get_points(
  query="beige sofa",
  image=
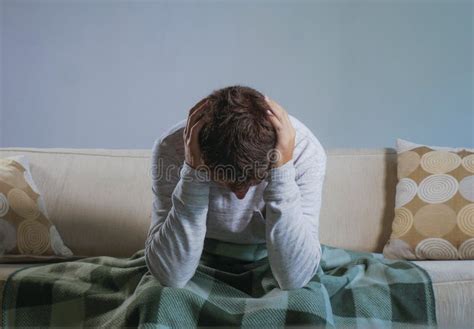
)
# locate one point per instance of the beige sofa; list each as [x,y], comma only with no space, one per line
[100,201]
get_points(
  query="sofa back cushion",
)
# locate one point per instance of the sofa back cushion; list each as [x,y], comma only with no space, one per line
[434,214]
[26,233]
[100,199]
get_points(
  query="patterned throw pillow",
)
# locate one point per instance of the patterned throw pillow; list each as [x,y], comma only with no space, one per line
[434,204]
[25,230]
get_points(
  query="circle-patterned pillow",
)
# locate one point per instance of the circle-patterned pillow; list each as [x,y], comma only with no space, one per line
[434,203]
[25,229]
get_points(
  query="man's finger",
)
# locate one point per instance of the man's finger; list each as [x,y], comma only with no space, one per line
[287,117]
[279,108]
[195,128]
[199,106]
[275,121]
[276,109]
[284,118]
[197,115]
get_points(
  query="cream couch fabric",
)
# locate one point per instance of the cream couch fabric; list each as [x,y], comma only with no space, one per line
[100,202]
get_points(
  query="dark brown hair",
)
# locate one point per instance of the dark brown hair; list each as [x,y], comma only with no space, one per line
[238,136]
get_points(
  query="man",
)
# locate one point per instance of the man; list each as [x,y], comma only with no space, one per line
[272,192]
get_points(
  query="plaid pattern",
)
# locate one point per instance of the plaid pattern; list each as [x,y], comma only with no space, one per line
[233,286]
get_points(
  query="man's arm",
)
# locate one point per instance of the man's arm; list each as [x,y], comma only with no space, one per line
[293,202]
[178,226]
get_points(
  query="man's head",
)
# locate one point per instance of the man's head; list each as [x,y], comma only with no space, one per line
[238,137]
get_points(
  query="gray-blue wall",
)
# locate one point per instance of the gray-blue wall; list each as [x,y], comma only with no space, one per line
[116,74]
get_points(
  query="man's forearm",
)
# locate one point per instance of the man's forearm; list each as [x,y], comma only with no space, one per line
[294,250]
[174,246]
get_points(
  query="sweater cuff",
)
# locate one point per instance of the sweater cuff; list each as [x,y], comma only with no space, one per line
[284,173]
[195,182]
[198,175]
[281,182]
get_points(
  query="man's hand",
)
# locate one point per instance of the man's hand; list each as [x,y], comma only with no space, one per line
[192,152]
[285,133]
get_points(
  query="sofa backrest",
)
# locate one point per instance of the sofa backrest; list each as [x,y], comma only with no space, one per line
[100,199]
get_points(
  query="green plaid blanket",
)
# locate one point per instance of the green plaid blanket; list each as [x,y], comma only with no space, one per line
[232,287]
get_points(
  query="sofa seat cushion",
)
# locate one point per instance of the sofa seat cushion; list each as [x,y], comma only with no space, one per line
[453,285]
[7,269]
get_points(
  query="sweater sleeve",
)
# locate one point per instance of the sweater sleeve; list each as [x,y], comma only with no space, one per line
[178,222]
[293,202]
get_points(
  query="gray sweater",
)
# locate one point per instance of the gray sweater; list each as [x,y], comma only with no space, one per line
[282,211]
